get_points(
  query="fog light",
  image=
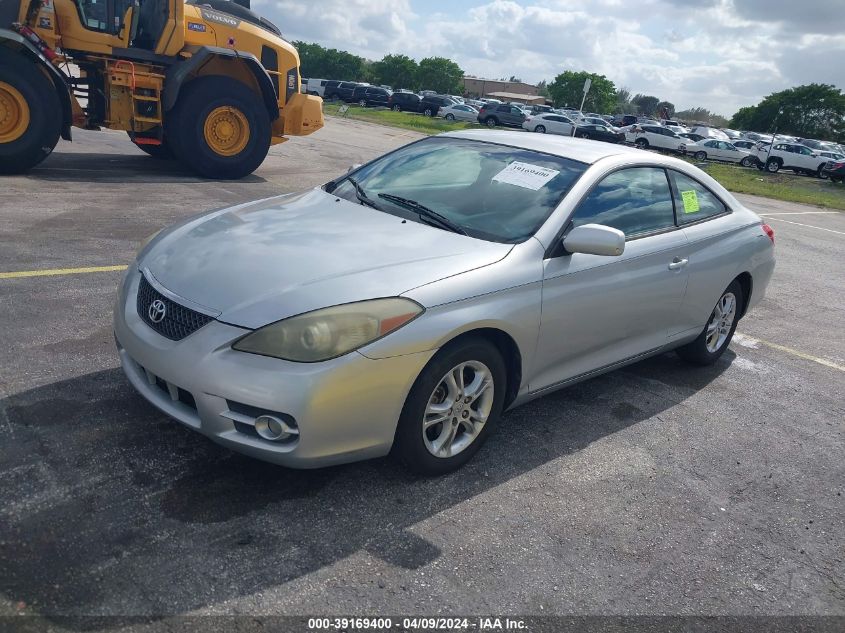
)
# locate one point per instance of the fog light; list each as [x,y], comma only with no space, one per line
[272,428]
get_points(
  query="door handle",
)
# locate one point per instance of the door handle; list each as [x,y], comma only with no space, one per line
[678,263]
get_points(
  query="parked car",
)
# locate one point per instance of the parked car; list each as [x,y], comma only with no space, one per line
[599,133]
[371,96]
[835,171]
[656,136]
[755,136]
[552,123]
[404,101]
[832,156]
[592,120]
[746,144]
[315,86]
[624,120]
[431,104]
[424,325]
[540,109]
[710,132]
[815,144]
[713,149]
[692,137]
[731,134]
[459,111]
[339,90]
[502,114]
[792,156]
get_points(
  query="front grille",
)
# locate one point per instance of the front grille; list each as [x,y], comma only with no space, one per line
[178,321]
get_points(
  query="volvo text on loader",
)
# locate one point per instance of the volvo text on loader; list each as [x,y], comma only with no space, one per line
[208,82]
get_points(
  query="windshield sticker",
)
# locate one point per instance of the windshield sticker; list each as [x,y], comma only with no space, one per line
[690,199]
[525,175]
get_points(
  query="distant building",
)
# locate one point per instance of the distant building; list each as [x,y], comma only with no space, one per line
[475,87]
[519,98]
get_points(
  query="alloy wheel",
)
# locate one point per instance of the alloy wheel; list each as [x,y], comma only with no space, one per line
[721,322]
[458,409]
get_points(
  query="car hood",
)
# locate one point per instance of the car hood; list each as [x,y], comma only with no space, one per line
[264,261]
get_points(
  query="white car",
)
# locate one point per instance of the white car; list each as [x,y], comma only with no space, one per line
[458,111]
[714,149]
[793,156]
[550,122]
[656,136]
[836,157]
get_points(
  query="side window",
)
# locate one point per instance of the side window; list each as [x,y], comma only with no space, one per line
[693,200]
[635,201]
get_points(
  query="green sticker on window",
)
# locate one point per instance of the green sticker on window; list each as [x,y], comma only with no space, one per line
[690,201]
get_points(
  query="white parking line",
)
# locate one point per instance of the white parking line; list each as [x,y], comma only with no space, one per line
[805,213]
[809,226]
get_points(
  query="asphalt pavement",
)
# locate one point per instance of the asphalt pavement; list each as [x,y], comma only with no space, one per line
[656,489]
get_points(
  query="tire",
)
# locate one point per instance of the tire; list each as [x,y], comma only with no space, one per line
[450,117]
[772,166]
[490,121]
[700,155]
[428,112]
[414,445]
[30,114]
[396,108]
[836,179]
[699,351]
[581,135]
[641,142]
[822,174]
[748,161]
[362,103]
[540,129]
[161,152]
[228,102]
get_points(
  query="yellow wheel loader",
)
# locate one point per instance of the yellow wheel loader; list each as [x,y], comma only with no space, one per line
[208,82]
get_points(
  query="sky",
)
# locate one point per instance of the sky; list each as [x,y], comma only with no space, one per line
[716,54]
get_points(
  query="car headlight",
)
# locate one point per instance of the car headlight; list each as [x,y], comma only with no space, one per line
[330,332]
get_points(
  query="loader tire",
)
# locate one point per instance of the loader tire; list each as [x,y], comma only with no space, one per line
[30,114]
[219,128]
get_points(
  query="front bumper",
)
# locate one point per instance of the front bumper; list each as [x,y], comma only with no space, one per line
[346,409]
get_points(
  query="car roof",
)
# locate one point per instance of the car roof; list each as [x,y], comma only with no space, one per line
[581,150]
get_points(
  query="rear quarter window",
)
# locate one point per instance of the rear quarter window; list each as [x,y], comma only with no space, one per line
[694,201]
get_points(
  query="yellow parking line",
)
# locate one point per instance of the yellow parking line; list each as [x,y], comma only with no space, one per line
[750,341]
[60,271]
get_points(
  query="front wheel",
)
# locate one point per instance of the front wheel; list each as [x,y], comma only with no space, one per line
[641,142]
[772,166]
[748,161]
[821,173]
[30,114]
[397,108]
[219,127]
[490,122]
[720,328]
[450,117]
[452,407]
[700,155]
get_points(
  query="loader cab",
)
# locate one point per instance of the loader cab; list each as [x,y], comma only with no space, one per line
[123,24]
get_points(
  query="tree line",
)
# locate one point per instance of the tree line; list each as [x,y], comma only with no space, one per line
[398,71]
[812,111]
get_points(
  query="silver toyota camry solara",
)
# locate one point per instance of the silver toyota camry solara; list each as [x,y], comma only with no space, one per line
[406,304]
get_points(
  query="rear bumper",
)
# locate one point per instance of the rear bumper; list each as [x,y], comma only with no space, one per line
[346,409]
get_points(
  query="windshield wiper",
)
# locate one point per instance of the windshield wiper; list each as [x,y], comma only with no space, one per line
[441,220]
[363,198]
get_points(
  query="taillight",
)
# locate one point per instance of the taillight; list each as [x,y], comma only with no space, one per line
[769,231]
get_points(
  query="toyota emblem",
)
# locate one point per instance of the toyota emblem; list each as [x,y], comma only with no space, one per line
[157,311]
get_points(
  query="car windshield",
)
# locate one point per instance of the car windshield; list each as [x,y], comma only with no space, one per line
[492,192]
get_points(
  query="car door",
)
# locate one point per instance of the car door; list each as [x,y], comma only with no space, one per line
[598,311]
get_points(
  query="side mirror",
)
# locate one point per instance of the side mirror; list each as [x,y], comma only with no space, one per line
[595,239]
[353,168]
